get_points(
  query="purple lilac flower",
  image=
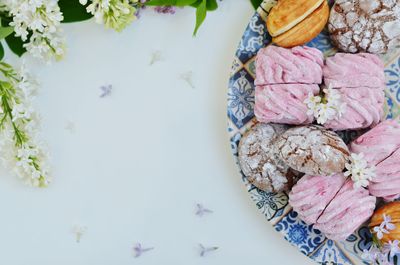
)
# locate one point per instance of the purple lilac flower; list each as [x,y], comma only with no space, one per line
[392,247]
[165,9]
[138,250]
[106,90]
[201,210]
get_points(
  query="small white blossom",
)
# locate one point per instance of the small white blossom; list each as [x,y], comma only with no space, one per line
[312,103]
[328,108]
[325,113]
[359,170]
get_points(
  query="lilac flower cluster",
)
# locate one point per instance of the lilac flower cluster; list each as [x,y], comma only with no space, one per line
[165,9]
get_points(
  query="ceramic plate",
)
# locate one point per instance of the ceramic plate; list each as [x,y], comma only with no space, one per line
[275,207]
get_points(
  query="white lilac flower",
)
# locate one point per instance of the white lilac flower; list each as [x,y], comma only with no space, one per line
[359,170]
[37,22]
[20,146]
[325,113]
[115,14]
[330,107]
[312,103]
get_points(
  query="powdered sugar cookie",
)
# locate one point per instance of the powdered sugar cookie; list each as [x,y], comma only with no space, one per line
[258,161]
[365,25]
[312,150]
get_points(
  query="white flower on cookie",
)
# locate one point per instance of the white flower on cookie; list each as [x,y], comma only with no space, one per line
[330,107]
[360,172]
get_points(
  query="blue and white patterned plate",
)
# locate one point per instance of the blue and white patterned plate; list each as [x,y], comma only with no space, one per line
[275,207]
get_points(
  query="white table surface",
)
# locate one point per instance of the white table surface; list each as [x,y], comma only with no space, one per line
[137,162]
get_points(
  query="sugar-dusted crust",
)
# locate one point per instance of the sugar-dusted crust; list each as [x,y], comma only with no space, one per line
[365,25]
[312,150]
[259,163]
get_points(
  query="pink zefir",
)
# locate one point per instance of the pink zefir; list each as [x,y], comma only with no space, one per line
[381,148]
[360,80]
[386,183]
[364,108]
[378,143]
[350,208]
[284,103]
[310,196]
[298,65]
[354,70]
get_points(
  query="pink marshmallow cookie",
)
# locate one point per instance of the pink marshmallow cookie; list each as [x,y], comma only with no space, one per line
[386,183]
[364,108]
[354,70]
[350,208]
[276,65]
[379,143]
[310,196]
[360,79]
[284,103]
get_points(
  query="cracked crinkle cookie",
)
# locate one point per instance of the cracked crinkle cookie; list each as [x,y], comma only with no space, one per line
[313,150]
[365,25]
[259,162]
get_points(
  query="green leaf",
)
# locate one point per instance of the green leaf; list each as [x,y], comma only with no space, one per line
[5,31]
[15,44]
[1,52]
[170,2]
[212,5]
[201,13]
[256,3]
[73,11]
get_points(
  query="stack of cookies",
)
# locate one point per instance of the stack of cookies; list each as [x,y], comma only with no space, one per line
[282,84]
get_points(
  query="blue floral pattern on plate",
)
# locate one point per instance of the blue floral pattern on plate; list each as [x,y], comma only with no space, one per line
[275,207]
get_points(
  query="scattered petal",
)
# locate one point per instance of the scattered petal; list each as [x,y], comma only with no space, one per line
[106,90]
[79,231]
[205,250]
[188,78]
[70,126]
[201,210]
[156,56]
[138,250]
